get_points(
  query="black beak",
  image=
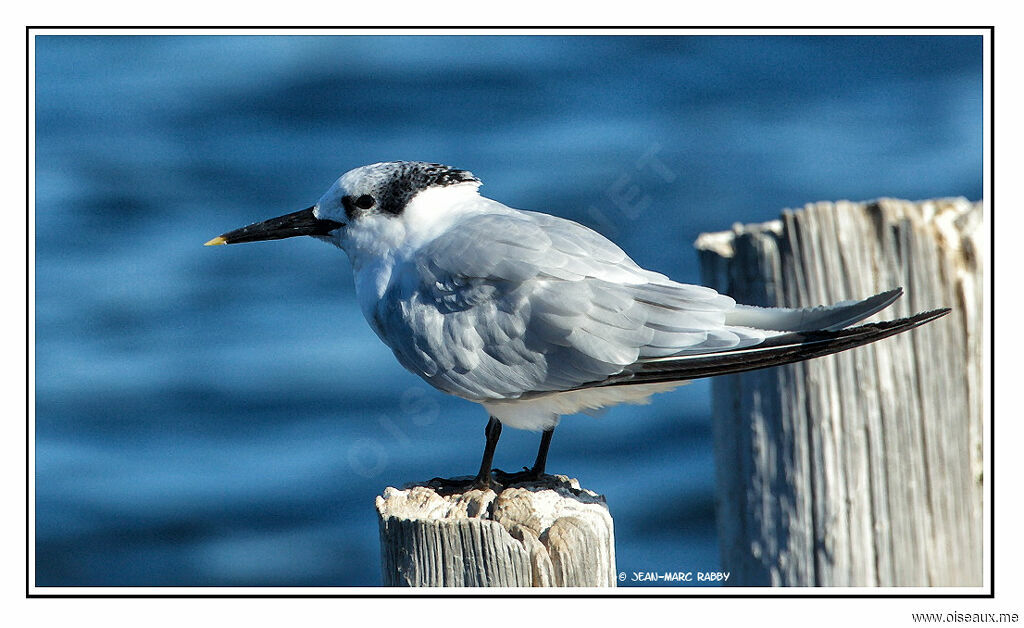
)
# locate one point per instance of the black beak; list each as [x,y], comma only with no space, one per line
[299,223]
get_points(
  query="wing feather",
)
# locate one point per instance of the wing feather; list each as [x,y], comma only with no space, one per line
[511,303]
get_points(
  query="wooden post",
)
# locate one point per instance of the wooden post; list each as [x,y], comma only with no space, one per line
[863,468]
[537,534]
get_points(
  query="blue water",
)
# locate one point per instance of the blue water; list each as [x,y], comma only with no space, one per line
[224,416]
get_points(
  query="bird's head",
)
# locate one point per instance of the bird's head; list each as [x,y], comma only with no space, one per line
[372,208]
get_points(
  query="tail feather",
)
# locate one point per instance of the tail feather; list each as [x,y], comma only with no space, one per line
[824,317]
[776,350]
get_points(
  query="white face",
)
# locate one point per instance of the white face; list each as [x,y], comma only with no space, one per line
[357,199]
[386,206]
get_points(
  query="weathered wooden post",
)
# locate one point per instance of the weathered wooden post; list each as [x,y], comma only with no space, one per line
[862,468]
[544,533]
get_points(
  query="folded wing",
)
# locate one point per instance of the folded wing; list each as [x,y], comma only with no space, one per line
[512,304]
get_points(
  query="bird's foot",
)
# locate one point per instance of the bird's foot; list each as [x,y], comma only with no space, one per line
[495,481]
[464,484]
[519,477]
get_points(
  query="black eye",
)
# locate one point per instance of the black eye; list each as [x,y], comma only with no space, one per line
[365,201]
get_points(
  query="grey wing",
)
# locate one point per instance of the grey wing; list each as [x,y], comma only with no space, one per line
[507,304]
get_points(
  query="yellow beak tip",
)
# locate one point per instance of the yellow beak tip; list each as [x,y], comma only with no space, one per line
[216,241]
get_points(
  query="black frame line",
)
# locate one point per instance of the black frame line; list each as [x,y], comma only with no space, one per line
[782,593]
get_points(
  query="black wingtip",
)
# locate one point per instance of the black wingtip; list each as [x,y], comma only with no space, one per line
[920,319]
[775,351]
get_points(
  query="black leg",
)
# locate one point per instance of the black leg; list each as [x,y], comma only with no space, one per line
[542,454]
[534,473]
[483,478]
[493,433]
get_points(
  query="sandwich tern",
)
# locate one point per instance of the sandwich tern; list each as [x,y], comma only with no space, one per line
[534,316]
